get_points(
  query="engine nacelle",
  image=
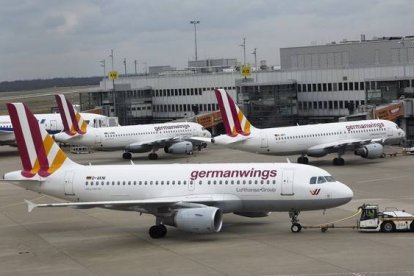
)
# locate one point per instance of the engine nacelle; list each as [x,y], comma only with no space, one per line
[370,151]
[253,214]
[181,148]
[316,152]
[198,220]
[138,148]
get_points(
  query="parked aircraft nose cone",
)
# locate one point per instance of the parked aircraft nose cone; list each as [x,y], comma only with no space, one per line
[347,193]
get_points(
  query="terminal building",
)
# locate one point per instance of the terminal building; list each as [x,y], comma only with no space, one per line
[316,83]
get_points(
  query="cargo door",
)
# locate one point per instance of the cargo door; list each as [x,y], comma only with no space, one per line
[287,182]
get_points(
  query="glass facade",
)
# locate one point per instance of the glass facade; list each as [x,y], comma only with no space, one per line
[270,104]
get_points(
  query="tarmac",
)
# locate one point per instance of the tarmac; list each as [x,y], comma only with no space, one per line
[65,241]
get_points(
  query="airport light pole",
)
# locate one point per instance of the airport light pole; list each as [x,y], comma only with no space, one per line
[135,66]
[244,50]
[255,58]
[103,64]
[195,22]
[125,66]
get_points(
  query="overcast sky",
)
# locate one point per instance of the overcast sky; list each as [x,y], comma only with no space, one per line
[50,38]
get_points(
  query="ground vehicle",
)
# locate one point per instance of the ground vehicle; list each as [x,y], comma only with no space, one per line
[390,220]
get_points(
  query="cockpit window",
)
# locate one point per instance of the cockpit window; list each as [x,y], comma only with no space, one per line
[313,180]
[321,179]
[330,178]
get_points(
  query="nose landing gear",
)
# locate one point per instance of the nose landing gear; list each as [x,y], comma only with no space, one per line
[296,227]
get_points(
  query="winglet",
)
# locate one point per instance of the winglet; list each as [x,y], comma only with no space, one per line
[30,205]
[72,120]
[233,118]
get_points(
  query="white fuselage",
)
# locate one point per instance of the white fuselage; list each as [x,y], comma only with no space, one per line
[298,139]
[51,122]
[114,138]
[238,187]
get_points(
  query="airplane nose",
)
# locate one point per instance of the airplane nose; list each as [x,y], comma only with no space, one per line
[207,134]
[346,192]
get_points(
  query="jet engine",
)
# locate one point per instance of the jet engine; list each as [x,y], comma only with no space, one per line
[370,151]
[138,148]
[197,220]
[316,152]
[180,148]
[253,214]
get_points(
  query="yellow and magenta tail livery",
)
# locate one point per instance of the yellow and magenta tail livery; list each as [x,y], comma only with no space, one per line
[39,153]
[73,122]
[233,118]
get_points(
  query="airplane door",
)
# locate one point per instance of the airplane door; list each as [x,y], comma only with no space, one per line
[191,185]
[69,183]
[98,141]
[53,125]
[263,141]
[287,182]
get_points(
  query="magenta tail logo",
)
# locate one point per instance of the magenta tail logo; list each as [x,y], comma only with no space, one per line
[315,192]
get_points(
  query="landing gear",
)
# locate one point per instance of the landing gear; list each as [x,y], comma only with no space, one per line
[127,155]
[199,147]
[296,227]
[303,160]
[152,156]
[157,231]
[338,161]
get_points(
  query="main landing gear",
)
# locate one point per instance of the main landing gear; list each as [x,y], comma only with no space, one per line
[157,231]
[127,155]
[296,227]
[303,160]
[338,161]
[152,156]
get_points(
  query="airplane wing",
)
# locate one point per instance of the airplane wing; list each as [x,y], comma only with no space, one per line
[160,143]
[145,205]
[346,145]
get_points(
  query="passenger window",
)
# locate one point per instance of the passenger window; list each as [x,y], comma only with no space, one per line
[313,180]
[321,179]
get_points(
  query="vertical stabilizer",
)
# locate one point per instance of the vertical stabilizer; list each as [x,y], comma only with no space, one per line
[73,122]
[38,152]
[233,118]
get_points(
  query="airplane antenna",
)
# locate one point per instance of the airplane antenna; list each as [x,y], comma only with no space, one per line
[132,162]
[287,160]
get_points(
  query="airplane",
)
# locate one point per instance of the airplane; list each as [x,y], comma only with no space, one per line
[51,121]
[190,197]
[365,138]
[175,138]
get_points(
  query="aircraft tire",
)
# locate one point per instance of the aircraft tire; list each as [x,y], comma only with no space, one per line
[412,226]
[296,228]
[127,155]
[152,156]
[157,231]
[305,160]
[338,161]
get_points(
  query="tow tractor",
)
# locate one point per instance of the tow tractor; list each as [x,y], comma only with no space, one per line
[373,220]
[390,220]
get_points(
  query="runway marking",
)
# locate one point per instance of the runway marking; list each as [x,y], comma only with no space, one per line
[381,179]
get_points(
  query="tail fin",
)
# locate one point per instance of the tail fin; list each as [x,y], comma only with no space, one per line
[233,118]
[38,152]
[72,120]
